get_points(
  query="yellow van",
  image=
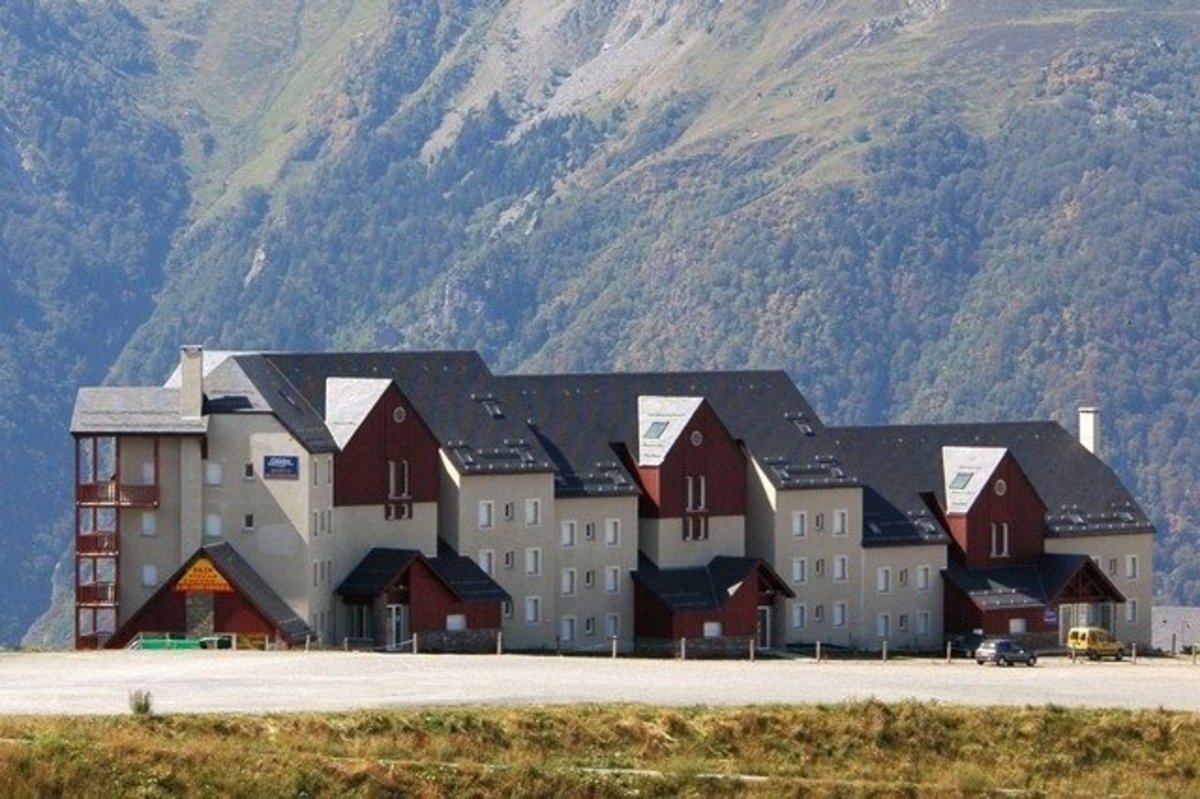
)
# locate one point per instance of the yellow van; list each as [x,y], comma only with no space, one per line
[1095,643]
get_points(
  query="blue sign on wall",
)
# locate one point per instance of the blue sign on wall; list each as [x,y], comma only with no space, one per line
[281,467]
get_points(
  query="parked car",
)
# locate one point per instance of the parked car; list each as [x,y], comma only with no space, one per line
[1003,652]
[1094,643]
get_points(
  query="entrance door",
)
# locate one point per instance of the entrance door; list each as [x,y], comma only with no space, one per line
[764,627]
[397,626]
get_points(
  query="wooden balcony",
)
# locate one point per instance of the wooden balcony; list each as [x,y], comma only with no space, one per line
[96,544]
[117,494]
[96,594]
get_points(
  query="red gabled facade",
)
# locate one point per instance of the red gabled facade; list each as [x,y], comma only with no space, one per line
[738,613]
[1017,505]
[392,456]
[430,601]
[717,458]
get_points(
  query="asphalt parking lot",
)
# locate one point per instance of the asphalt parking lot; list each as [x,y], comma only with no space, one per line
[260,682]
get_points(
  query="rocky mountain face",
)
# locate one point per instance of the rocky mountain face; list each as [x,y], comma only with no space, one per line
[922,210]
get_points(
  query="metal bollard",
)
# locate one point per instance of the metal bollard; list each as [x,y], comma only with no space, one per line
[885,650]
[683,648]
[752,642]
[415,650]
[949,651]
[500,642]
[818,651]
[614,646]
[1133,652]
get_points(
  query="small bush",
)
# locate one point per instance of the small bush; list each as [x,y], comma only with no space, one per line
[141,703]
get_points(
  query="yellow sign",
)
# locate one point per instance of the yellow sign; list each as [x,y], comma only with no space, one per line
[203,576]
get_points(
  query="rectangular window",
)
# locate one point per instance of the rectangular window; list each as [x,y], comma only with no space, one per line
[923,575]
[212,473]
[212,525]
[1112,567]
[799,524]
[533,609]
[695,528]
[841,569]
[589,625]
[883,579]
[1131,567]
[799,615]
[612,580]
[819,566]
[712,629]
[398,486]
[818,614]
[313,464]
[149,575]
[510,512]
[247,471]
[456,622]
[819,522]
[533,512]
[506,609]
[149,523]
[999,540]
[612,532]
[612,625]
[799,570]
[902,577]
[248,522]
[696,491]
[1016,627]
[839,614]
[533,561]
[487,561]
[1131,610]
[883,625]
[568,582]
[566,629]
[589,531]
[923,623]
[316,574]
[589,578]
[902,621]
[486,514]
[568,534]
[841,522]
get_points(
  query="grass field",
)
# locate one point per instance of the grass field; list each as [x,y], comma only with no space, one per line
[864,749]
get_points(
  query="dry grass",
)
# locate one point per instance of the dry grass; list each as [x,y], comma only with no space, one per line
[848,750]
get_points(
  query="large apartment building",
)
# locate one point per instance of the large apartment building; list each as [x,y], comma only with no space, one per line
[366,498]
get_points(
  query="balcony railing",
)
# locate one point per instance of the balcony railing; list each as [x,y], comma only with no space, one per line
[96,594]
[120,494]
[95,543]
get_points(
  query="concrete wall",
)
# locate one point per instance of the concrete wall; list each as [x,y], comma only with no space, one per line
[905,600]
[149,536]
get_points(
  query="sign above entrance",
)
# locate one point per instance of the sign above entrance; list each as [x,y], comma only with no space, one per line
[1050,615]
[203,577]
[281,467]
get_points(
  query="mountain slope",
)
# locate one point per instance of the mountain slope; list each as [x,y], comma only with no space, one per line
[922,210]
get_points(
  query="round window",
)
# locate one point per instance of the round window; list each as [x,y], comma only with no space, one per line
[1001,487]
[697,438]
[399,415]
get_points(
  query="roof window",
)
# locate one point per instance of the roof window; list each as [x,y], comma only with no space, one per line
[961,480]
[656,429]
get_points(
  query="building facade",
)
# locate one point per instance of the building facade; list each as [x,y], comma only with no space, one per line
[368,498]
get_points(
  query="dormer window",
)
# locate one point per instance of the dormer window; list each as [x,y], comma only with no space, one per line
[961,481]
[656,429]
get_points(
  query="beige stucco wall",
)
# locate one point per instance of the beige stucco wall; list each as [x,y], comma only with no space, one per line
[904,601]
[595,555]
[661,540]
[160,547]
[458,519]
[1106,548]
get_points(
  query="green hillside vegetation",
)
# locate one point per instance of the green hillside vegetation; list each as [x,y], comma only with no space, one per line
[923,211]
[867,749]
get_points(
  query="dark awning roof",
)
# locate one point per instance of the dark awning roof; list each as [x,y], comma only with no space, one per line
[382,566]
[705,587]
[1031,585]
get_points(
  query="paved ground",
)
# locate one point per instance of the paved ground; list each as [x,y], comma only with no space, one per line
[100,682]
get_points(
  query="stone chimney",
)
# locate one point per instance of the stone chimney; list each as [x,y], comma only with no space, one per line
[191,380]
[1089,429]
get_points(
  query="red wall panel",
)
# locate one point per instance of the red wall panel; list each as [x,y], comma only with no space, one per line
[718,458]
[361,469]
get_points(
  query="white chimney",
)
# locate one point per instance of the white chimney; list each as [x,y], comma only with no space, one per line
[1089,429]
[191,380]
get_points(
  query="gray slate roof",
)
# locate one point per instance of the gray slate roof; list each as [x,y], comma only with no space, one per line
[1027,586]
[703,588]
[112,410]
[1083,496]
[452,391]
[578,417]
[382,565]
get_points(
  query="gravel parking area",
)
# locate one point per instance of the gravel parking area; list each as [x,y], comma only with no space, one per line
[257,682]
